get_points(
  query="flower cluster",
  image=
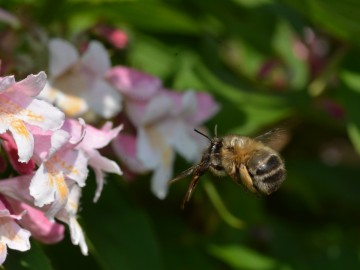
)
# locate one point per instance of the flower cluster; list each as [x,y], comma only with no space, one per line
[51,152]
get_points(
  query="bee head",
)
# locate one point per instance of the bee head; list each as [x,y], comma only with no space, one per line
[215,143]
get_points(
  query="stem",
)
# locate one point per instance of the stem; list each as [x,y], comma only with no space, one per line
[220,207]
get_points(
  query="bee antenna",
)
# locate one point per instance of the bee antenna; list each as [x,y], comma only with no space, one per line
[197,131]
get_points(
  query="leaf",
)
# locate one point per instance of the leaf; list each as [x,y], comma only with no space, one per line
[152,56]
[351,99]
[120,233]
[283,42]
[339,18]
[33,259]
[251,109]
[150,16]
[240,257]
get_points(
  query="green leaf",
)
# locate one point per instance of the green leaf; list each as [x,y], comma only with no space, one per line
[152,56]
[351,79]
[120,233]
[283,42]
[33,259]
[339,18]
[149,16]
[351,99]
[240,257]
[252,110]
[353,130]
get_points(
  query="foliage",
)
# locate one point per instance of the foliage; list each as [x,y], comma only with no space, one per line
[288,63]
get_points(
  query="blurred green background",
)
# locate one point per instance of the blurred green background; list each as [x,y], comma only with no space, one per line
[288,63]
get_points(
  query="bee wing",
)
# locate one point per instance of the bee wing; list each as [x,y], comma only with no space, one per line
[276,138]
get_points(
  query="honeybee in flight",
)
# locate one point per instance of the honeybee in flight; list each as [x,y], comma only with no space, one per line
[251,163]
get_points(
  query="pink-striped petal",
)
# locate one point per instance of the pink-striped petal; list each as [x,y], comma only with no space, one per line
[31,86]
[133,83]
[125,147]
[41,228]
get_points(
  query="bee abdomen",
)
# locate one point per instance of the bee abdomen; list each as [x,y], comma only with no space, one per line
[267,171]
[275,176]
[268,165]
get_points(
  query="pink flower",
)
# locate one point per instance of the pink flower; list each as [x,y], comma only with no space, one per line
[35,221]
[133,84]
[11,234]
[114,36]
[93,140]
[77,84]
[16,190]
[164,121]
[59,162]
[18,107]
[63,158]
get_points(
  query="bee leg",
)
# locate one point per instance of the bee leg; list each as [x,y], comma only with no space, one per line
[190,190]
[246,179]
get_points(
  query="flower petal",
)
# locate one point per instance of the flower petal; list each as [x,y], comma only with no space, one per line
[206,108]
[23,139]
[73,164]
[3,253]
[58,139]
[77,236]
[11,150]
[6,83]
[17,188]
[133,83]
[42,114]
[41,228]
[184,144]
[72,105]
[98,138]
[126,149]
[46,187]
[158,107]
[101,164]
[104,99]
[31,86]
[149,147]
[62,56]
[11,233]
[163,173]
[96,59]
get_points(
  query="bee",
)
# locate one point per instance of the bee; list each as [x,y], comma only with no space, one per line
[250,162]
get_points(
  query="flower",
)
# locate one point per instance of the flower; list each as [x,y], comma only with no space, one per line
[114,36]
[171,130]
[77,84]
[93,140]
[11,234]
[63,157]
[164,121]
[58,162]
[19,107]
[41,228]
